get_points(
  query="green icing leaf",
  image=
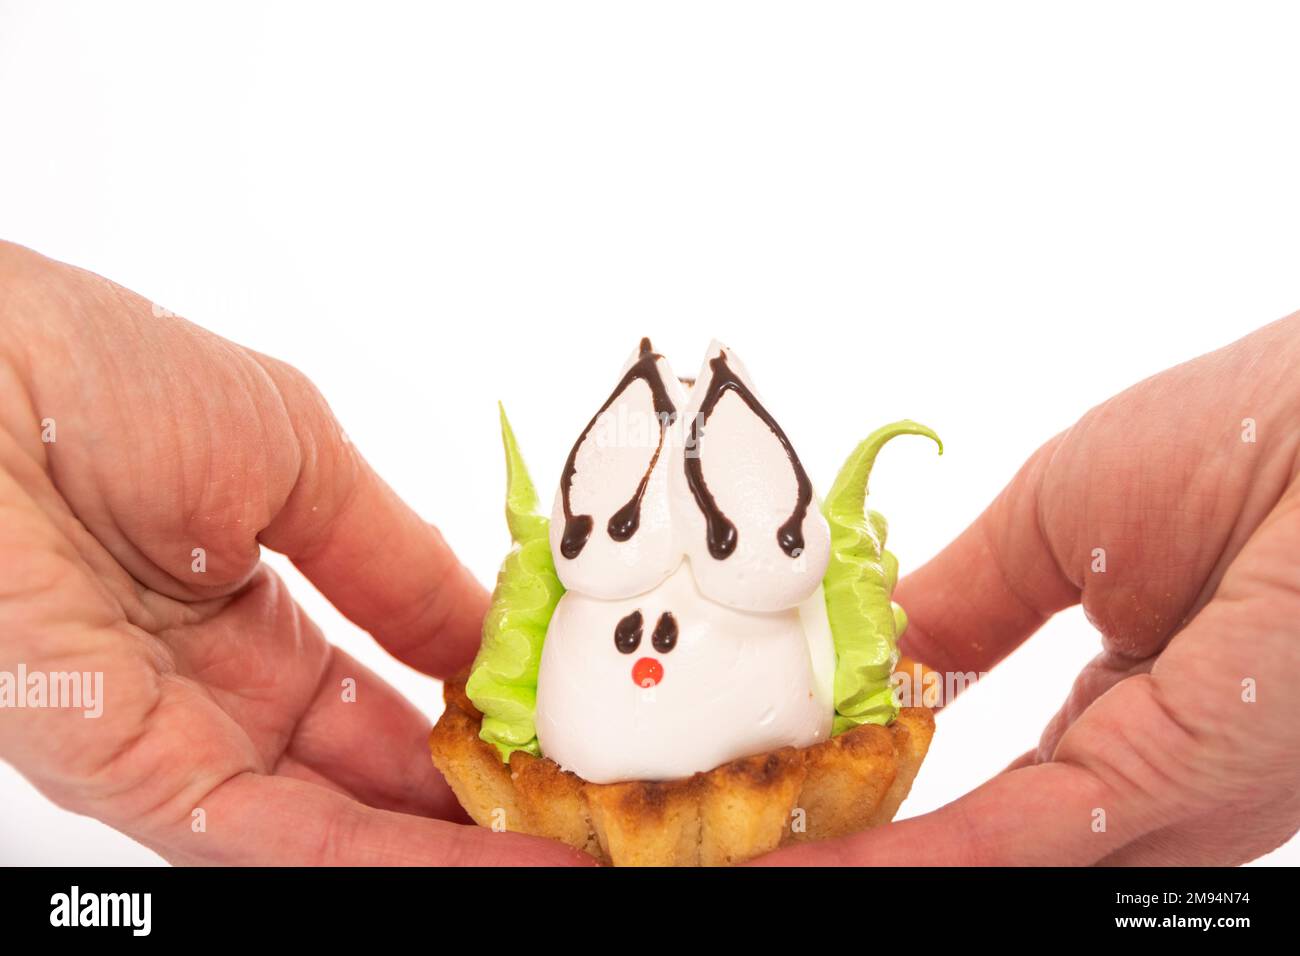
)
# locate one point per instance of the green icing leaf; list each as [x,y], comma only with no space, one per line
[503,681]
[865,623]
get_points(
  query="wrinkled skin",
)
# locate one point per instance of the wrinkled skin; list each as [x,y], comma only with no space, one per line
[1201,592]
[220,694]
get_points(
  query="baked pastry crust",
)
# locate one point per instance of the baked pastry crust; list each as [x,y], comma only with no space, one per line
[725,816]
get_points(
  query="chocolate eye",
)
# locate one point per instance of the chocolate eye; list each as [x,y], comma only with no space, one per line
[665,635]
[627,633]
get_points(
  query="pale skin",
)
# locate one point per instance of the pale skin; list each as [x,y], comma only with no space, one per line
[1201,594]
[222,696]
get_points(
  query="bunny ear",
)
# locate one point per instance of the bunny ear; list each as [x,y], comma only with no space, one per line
[611,527]
[744,507]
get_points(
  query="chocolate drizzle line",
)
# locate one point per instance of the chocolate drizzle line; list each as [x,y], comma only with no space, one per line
[627,633]
[721,532]
[664,638]
[624,522]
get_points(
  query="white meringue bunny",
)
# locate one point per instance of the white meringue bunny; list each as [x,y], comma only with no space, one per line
[693,629]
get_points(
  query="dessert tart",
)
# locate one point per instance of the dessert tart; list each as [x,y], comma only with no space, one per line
[689,662]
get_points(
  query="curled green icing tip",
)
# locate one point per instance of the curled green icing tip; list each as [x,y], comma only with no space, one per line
[848,495]
[503,680]
[865,622]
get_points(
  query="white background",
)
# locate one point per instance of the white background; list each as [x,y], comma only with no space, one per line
[987,217]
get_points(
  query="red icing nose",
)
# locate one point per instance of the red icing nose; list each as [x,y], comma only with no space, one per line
[647,672]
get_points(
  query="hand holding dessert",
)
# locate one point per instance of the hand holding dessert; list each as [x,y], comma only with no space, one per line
[142,463]
[1172,514]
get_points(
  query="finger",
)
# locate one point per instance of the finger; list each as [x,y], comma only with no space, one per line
[362,735]
[370,554]
[216,449]
[1098,676]
[996,584]
[1121,773]
[1035,816]
[1138,510]
[309,708]
[1026,759]
[255,820]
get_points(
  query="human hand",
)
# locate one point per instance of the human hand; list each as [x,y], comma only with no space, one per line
[127,441]
[1188,484]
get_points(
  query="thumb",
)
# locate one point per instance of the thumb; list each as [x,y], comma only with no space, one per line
[1106,787]
[258,820]
[992,587]
[375,559]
